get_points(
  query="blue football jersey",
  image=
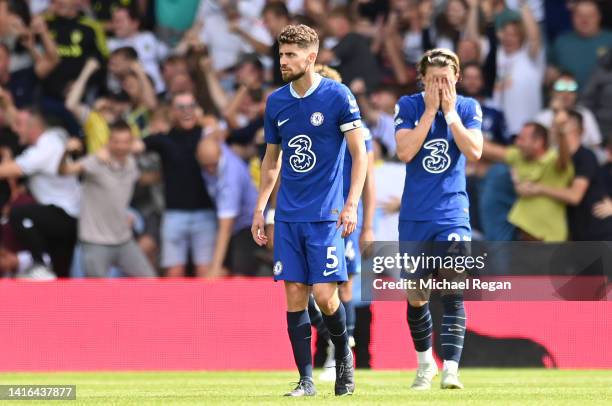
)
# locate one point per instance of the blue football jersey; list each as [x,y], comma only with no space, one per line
[311,131]
[435,178]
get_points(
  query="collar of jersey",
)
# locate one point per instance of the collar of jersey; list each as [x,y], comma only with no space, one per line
[315,84]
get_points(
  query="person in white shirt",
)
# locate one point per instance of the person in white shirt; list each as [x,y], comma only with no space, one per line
[50,225]
[520,70]
[150,50]
[564,94]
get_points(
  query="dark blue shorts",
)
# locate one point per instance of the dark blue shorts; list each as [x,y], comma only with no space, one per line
[309,253]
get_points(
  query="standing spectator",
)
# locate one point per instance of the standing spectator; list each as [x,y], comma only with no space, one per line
[189,221]
[378,110]
[28,52]
[229,183]
[577,51]
[150,50]
[597,96]
[222,22]
[50,225]
[532,160]
[173,18]
[564,94]
[275,17]
[520,70]
[585,190]
[78,38]
[119,63]
[489,184]
[141,94]
[104,227]
[348,51]
[95,121]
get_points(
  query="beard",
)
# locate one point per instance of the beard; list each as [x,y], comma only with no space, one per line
[290,77]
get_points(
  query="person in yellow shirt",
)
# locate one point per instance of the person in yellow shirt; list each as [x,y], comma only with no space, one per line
[537,218]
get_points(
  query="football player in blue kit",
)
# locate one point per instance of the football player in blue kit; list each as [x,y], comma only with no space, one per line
[311,120]
[436,131]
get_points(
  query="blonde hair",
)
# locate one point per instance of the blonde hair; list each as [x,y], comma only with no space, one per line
[301,35]
[327,72]
[438,57]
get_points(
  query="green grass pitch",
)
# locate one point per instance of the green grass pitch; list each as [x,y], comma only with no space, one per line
[483,387]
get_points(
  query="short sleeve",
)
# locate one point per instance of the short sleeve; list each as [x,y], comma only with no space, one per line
[405,114]
[228,194]
[350,117]
[271,134]
[471,115]
[512,156]
[42,157]
[586,166]
[90,165]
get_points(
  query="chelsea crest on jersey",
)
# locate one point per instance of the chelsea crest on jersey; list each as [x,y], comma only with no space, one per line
[310,130]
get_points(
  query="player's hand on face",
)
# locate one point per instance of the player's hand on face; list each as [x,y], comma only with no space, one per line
[432,95]
[347,219]
[258,229]
[449,95]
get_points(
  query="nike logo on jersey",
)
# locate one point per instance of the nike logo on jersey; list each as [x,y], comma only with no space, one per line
[327,273]
[280,123]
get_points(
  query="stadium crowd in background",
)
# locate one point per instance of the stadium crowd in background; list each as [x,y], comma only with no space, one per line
[189,80]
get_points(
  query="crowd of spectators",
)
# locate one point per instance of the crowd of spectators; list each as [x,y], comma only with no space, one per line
[131,130]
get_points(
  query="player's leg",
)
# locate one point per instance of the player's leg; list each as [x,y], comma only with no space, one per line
[452,332]
[418,315]
[353,265]
[290,266]
[300,332]
[327,267]
[324,342]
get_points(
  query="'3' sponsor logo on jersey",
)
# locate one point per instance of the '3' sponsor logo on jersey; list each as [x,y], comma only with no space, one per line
[437,160]
[303,158]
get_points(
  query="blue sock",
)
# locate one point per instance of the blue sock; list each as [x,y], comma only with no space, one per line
[421,328]
[349,308]
[336,324]
[453,327]
[298,325]
[316,319]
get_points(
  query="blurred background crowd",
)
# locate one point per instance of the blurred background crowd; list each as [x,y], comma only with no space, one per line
[131,131]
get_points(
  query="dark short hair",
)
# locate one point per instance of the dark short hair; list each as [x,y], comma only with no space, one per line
[131,11]
[539,131]
[127,52]
[120,125]
[278,8]
[472,64]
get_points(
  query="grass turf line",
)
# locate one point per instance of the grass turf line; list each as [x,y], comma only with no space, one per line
[483,387]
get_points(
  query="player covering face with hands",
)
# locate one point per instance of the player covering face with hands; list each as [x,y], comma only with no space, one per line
[436,131]
[308,123]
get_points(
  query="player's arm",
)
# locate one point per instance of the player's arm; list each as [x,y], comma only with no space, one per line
[410,138]
[494,152]
[270,168]
[468,140]
[359,168]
